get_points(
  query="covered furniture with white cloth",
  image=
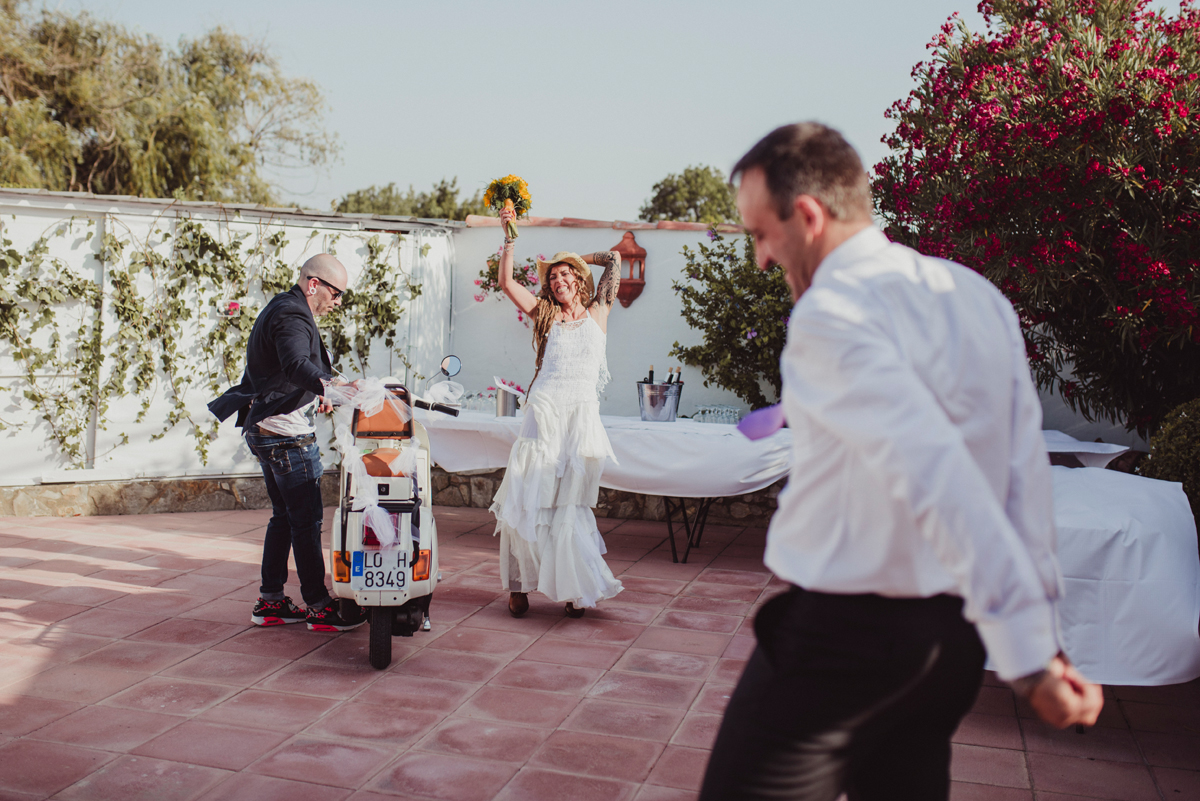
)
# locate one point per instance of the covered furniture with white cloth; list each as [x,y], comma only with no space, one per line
[1126,544]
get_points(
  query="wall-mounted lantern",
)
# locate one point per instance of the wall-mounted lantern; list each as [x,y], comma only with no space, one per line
[635,256]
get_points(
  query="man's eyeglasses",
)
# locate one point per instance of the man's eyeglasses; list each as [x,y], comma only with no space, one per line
[337,293]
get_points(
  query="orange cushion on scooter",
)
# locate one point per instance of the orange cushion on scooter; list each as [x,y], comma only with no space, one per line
[377,462]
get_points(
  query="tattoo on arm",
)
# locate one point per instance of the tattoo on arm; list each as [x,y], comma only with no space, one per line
[610,281]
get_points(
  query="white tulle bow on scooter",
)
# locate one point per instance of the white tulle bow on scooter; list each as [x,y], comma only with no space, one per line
[368,395]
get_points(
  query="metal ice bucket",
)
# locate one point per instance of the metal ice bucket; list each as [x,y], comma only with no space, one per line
[658,402]
[506,404]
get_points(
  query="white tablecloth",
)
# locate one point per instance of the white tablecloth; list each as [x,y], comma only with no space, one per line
[681,459]
[1127,545]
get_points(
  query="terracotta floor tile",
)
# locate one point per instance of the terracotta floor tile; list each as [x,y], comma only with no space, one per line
[534,784]
[962,791]
[222,667]
[106,728]
[443,776]
[212,745]
[83,683]
[234,569]
[653,792]
[495,617]
[29,766]
[252,787]
[570,652]
[264,710]
[994,731]
[529,707]
[283,642]
[143,657]
[547,677]
[1114,745]
[417,692]
[660,586]
[995,701]
[340,764]
[713,698]
[131,778]
[724,592]
[104,622]
[91,596]
[451,665]
[326,681]
[698,621]
[1170,750]
[1161,718]
[171,696]
[56,647]
[471,737]
[482,641]
[735,564]
[998,766]
[599,631]
[736,577]
[47,612]
[639,688]
[394,726]
[208,586]
[188,631]
[624,720]
[680,767]
[663,568]
[648,599]
[666,663]
[716,606]
[597,755]
[471,596]
[728,670]
[1182,695]
[618,611]
[1092,777]
[660,638]
[698,730]
[1178,783]
[21,714]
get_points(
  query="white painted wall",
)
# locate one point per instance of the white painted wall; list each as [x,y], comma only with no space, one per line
[491,341]
[126,448]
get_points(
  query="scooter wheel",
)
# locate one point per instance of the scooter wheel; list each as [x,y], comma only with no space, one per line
[380,652]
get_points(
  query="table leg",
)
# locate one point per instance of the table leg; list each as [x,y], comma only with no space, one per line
[694,529]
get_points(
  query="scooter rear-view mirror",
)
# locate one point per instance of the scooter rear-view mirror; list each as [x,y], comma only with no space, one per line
[451,366]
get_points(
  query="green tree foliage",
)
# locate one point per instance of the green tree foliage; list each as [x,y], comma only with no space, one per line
[698,194]
[1175,452]
[1056,154]
[741,313]
[440,203]
[88,105]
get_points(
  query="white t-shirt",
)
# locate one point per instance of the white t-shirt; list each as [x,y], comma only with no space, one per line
[292,424]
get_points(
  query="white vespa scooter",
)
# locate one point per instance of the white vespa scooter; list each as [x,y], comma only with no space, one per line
[392,584]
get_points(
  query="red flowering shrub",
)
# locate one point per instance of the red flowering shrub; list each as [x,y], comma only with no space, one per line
[1058,154]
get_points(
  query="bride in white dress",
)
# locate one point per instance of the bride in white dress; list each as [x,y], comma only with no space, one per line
[548,536]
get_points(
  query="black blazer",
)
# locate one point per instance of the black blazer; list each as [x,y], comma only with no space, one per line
[285,363]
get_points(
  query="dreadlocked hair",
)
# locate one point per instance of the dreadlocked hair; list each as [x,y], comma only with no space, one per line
[548,309]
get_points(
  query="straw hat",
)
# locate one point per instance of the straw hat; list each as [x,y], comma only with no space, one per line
[543,268]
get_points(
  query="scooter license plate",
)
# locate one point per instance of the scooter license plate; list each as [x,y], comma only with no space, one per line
[378,570]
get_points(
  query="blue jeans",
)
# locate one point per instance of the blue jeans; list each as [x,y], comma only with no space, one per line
[292,469]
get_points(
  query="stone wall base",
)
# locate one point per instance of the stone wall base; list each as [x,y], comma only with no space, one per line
[471,488]
[476,488]
[145,497]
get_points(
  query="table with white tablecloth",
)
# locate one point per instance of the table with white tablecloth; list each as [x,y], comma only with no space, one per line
[1126,544]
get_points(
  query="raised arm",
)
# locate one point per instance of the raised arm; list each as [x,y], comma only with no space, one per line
[610,282]
[521,297]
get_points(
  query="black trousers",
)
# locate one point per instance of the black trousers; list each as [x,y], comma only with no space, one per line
[848,693]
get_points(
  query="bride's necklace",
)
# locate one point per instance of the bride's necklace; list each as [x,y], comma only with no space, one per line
[576,314]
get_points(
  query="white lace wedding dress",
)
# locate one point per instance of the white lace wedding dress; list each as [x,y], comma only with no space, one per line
[548,536]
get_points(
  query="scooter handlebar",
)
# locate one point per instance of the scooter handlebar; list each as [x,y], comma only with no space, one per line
[436,407]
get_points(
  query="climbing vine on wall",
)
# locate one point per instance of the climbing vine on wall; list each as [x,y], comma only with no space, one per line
[171,317]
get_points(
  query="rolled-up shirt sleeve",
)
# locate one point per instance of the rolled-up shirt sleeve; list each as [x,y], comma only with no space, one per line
[850,377]
[289,332]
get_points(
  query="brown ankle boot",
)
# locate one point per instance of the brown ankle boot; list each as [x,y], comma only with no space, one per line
[518,603]
[573,611]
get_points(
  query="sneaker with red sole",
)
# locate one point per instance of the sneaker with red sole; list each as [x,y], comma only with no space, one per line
[328,618]
[277,613]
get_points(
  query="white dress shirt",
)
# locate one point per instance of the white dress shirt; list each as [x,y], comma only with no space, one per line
[919,466]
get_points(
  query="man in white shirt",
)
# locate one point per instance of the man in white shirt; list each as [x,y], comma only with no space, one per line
[917,519]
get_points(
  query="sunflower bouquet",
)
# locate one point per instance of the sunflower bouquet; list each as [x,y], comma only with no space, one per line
[510,192]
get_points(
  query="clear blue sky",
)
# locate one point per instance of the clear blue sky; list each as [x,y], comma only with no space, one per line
[591,102]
